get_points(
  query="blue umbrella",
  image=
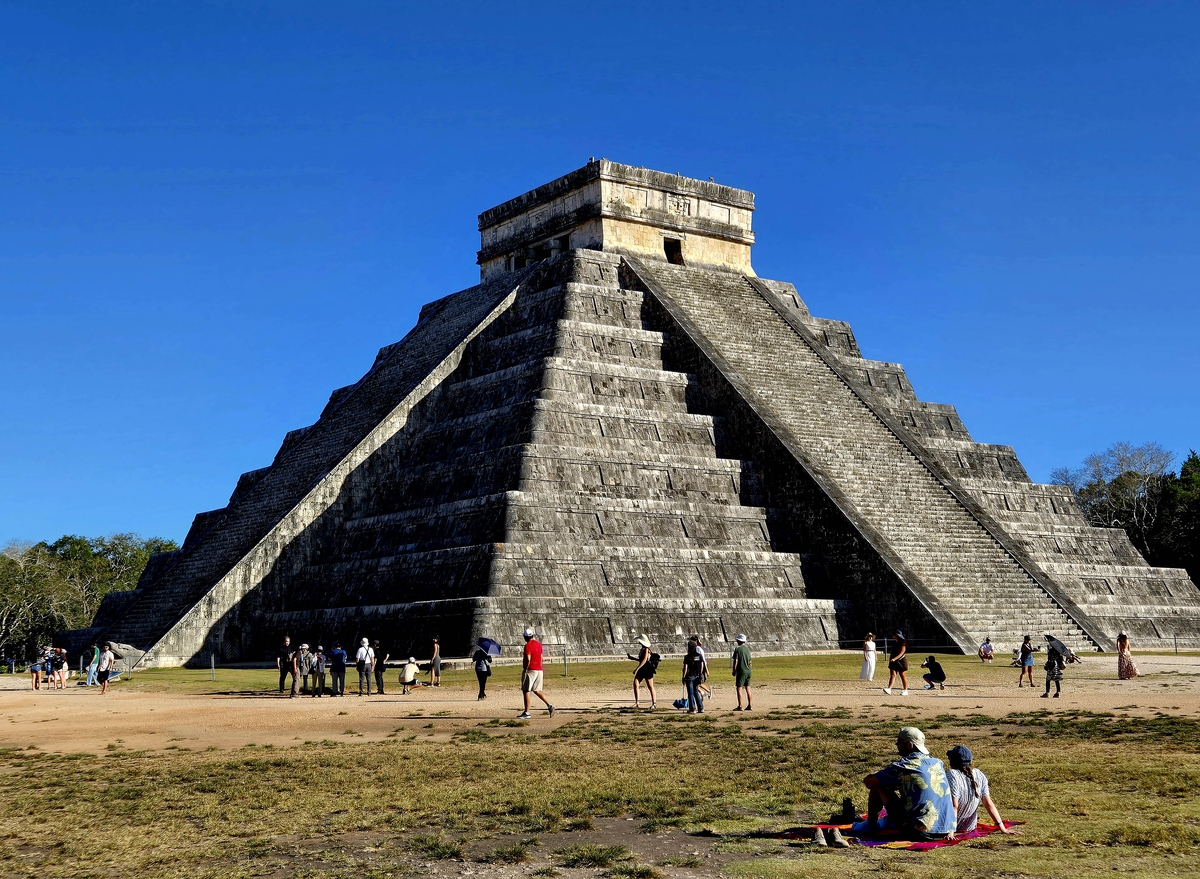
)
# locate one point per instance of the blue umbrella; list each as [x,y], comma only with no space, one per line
[488,646]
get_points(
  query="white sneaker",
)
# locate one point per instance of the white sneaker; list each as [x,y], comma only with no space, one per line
[887,690]
[904,692]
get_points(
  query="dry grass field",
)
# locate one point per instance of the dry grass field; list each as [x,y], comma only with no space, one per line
[174,775]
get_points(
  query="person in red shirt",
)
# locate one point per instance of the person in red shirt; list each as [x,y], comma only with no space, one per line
[531,673]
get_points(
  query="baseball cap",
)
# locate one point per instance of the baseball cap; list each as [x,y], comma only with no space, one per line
[913,736]
[528,633]
[960,755]
[741,639]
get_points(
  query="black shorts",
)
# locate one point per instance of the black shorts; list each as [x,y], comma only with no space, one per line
[645,673]
[102,676]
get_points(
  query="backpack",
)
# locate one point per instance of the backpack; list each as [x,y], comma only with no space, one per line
[652,663]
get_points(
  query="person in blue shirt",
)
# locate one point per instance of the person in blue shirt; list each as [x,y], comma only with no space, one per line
[337,670]
[914,791]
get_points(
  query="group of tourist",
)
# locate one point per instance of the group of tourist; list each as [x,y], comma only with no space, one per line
[695,673]
[1058,656]
[916,798]
[309,668]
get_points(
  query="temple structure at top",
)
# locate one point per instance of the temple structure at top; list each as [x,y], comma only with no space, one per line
[625,210]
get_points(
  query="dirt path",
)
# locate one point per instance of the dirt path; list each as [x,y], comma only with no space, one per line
[77,719]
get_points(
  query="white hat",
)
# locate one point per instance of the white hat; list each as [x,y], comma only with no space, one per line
[303,646]
[365,642]
[529,633]
[915,737]
[412,659]
[644,640]
[741,639]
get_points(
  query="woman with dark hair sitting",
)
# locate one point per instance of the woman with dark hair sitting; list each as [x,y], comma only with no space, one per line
[969,790]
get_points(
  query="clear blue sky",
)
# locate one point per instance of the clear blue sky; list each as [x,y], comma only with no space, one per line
[211,215]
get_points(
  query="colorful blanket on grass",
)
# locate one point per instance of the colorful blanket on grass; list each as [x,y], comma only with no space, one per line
[889,838]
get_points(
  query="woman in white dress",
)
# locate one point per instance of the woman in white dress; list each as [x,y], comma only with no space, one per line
[868,666]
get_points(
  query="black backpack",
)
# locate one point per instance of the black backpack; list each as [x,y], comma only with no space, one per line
[652,663]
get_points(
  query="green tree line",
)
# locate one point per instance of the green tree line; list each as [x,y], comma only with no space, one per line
[1135,488]
[46,587]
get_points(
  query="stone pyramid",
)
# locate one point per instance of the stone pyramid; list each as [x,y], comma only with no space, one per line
[622,430]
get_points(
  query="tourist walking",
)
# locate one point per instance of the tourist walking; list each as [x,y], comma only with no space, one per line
[741,672]
[435,664]
[1055,663]
[936,674]
[1126,670]
[1025,658]
[531,673]
[647,667]
[986,651]
[364,663]
[93,663]
[337,669]
[898,663]
[483,670]
[104,668]
[283,661]
[381,658]
[695,672]
[969,790]
[319,664]
[868,666]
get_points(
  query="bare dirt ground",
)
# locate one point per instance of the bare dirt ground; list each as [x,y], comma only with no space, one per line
[239,709]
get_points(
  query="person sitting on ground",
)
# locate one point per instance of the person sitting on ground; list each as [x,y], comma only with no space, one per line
[969,790]
[935,675]
[986,650]
[409,676]
[914,791]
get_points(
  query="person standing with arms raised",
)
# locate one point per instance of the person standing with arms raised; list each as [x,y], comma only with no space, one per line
[531,674]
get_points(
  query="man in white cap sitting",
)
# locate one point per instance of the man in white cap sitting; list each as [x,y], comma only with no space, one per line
[915,792]
[531,673]
[741,672]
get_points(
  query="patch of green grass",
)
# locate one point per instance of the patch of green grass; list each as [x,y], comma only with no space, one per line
[517,853]
[579,824]
[635,871]
[593,855]
[682,861]
[435,847]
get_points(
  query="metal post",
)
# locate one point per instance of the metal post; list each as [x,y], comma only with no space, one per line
[564,674]
[212,659]
[1176,637]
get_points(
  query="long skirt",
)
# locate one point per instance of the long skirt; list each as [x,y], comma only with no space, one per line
[1126,670]
[868,668]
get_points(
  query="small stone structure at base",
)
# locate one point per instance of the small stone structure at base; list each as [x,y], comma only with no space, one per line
[622,430]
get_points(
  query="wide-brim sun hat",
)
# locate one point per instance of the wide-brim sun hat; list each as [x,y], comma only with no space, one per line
[741,639]
[366,643]
[643,640]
